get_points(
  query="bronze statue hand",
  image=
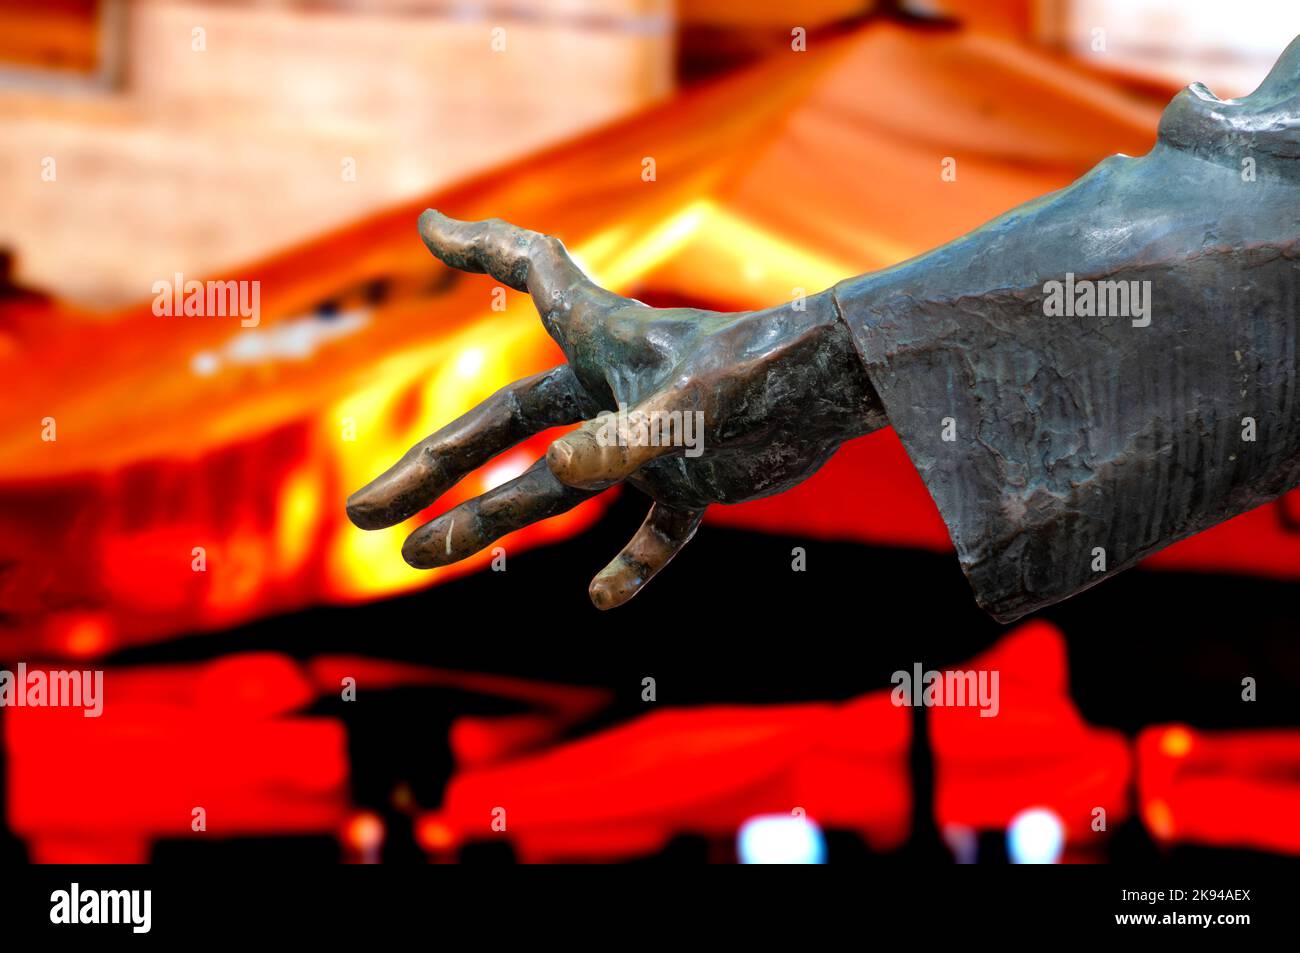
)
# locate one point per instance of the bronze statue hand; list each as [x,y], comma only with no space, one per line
[705,407]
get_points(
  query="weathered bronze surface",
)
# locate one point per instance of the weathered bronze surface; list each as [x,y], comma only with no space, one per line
[1060,448]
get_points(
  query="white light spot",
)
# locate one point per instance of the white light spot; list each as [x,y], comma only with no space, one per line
[293,339]
[470,362]
[1035,836]
[205,364]
[780,839]
[505,470]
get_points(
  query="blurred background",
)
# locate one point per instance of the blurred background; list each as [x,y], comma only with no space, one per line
[171,487]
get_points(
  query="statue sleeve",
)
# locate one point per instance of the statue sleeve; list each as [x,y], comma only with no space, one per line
[1110,368]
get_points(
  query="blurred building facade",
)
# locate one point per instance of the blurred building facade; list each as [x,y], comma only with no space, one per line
[145,137]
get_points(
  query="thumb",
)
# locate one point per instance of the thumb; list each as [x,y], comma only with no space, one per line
[614,445]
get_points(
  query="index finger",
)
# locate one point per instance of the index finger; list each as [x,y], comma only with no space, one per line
[523,260]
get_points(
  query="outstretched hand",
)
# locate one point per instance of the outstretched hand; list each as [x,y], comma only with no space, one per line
[692,407]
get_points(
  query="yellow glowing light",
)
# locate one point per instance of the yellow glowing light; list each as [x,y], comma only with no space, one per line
[501,340]
[1176,743]
[506,469]
[602,247]
[470,362]
[449,378]
[299,515]
[627,262]
[370,563]
[1160,819]
[763,257]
